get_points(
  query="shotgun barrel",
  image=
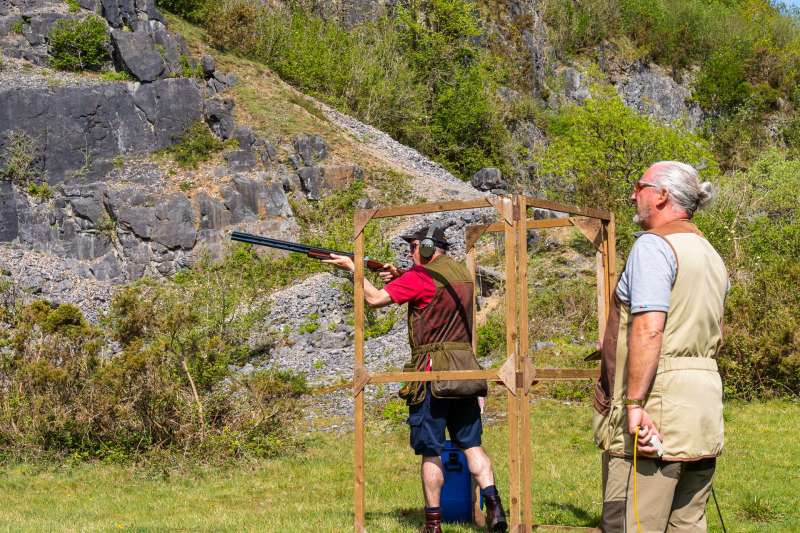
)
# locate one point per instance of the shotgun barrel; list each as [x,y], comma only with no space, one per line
[311,251]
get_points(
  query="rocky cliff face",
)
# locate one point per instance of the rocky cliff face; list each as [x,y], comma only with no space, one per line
[113,214]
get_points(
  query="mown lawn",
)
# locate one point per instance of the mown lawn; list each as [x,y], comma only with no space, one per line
[758,483]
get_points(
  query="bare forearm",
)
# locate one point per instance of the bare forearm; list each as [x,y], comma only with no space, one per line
[375,297]
[644,351]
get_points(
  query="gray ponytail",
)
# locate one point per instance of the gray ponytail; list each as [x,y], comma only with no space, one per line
[683,185]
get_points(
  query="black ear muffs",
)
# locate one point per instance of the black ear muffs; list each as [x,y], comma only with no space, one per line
[426,246]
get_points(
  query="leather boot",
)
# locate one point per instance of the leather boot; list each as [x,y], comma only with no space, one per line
[495,515]
[433,523]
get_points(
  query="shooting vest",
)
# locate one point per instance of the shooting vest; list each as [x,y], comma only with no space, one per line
[685,400]
[442,333]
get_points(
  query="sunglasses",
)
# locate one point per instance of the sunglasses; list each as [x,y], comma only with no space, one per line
[639,185]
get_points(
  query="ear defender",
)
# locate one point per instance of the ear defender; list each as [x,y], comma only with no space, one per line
[426,246]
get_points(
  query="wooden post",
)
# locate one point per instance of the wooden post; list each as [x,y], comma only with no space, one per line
[518,372]
[522,393]
[358,342]
[512,349]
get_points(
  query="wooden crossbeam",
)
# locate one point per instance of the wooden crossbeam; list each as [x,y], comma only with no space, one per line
[435,207]
[571,209]
[517,373]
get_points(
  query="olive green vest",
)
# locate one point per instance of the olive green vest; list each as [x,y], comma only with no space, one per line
[685,400]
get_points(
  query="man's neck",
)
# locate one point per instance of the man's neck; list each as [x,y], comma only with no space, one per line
[662,218]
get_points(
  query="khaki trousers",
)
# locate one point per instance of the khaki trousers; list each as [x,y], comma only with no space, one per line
[672,496]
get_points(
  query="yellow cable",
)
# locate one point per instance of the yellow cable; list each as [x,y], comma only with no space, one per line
[635,500]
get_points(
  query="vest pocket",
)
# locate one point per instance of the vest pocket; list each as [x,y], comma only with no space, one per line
[604,426]
[456,360]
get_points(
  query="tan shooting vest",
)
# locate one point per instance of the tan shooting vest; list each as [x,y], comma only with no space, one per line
[685,400]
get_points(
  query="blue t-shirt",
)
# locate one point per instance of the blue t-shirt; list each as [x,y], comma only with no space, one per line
[646,283]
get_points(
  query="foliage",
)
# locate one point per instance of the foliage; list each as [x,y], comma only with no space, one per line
[328,223]
[17,26]
[192,10]
[395,410]
[748,52]
[565,295]
[20,158]
[599,149]
[79,44]
[755,224]
[376,326]
[114,75]
[168,388]
[422,77]
[40,190]
[73,6]
[492,337]
[196,145]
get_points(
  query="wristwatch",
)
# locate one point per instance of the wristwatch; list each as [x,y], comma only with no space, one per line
[631,401]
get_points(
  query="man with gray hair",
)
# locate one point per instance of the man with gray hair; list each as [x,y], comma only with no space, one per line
[659,388]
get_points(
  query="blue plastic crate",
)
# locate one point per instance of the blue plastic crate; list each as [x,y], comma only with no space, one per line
[456,498]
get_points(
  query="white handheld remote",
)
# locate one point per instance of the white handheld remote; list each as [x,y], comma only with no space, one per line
[656,443]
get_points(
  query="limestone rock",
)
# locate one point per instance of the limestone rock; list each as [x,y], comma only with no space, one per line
[77,129]
[208,65]
[310,148]
[219,116]
[241,160]
[651,91]
[136,52]
[489,179]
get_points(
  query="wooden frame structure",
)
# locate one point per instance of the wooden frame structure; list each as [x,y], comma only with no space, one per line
[518,373]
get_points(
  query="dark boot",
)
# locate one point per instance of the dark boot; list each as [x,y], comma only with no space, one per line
[495,515]
[433,522]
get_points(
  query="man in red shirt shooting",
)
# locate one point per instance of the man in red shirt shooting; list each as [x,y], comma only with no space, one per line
[439,294]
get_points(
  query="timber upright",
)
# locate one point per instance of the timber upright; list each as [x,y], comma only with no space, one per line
[439,294]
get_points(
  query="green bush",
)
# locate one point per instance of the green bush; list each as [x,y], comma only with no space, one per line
[79,44]
[196,145]
[20,157]
[755,224]
[421,77]
[169,389]
[113,75]
[599,149]
[492,337]
[191,10]
[40,190]
[722,84]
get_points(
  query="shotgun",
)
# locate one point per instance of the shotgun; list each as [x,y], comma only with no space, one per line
[311,251]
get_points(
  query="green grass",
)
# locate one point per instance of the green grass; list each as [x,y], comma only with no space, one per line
[758,482]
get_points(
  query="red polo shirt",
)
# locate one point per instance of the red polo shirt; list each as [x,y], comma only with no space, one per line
[414,286]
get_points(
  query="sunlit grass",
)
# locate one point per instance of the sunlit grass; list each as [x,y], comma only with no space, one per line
[758,482]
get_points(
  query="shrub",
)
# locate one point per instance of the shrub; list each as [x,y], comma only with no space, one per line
[20,158]
[113,75]
[597,150]
[79,44]
[377,326]
[492,337]
[40,190]
[169,389]
[17,26]
[192,10]
[197,144]
[422,77]
[755,224]
[722,84]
